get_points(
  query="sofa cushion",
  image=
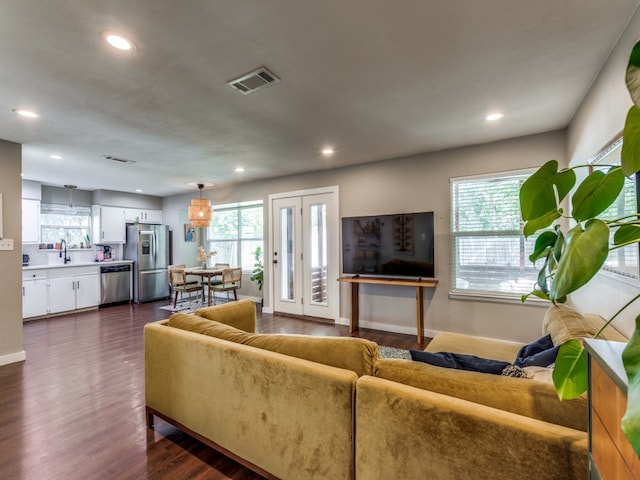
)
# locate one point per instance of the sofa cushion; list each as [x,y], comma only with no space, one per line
[240,314]
[564,323]
[532,398]
[355,354]
[478,346]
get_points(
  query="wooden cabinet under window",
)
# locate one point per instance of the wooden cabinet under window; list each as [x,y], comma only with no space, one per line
[611,455]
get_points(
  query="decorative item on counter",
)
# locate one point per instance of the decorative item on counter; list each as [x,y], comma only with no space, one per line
[203,256]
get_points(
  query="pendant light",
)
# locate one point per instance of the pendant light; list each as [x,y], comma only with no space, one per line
[71,209]
[200,211]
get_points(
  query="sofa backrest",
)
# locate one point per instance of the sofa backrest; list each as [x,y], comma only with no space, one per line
[240,314]
[564,323]
[355,354]
[535,399]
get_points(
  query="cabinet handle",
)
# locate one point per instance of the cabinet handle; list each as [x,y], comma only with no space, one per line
[23,290]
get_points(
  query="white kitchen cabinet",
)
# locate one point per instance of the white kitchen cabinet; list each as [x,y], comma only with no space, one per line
[34,297]
[62,294]
[59,290]
[87,290]
[30,221]
[108,224]
[133,215]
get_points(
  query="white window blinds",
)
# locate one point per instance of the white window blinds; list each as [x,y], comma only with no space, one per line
[489,251]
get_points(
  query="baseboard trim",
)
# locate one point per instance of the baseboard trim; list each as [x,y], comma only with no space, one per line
[387,327]
[13,358]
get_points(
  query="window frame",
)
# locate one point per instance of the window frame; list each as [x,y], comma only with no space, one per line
[602,157]
[524,264]
[64,210]
[239,239]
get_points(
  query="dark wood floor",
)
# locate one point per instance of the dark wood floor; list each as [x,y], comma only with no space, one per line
[75,408]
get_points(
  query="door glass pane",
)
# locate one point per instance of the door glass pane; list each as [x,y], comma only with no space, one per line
[318,270]
[288,253]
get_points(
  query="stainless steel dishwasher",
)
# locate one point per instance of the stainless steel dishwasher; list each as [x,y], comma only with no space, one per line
[115,283]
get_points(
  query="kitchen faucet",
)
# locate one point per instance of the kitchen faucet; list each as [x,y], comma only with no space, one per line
[66,259]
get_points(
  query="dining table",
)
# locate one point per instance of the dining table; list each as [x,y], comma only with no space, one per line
[208,273]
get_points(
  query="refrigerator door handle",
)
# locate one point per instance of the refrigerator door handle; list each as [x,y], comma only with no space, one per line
[155,248]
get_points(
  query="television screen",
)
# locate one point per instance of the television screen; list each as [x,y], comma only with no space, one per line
[399,245]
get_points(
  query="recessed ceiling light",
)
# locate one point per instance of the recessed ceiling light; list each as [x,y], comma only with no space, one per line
[238,170]
[56,157]
[138,190]
[492,117]
[118,41]
[328,151]
[25,113]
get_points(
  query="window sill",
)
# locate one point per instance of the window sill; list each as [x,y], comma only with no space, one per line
[514,299]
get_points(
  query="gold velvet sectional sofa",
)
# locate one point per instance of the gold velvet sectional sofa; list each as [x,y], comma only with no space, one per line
[302,407]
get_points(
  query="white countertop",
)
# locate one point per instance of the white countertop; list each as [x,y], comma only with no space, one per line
[77,264]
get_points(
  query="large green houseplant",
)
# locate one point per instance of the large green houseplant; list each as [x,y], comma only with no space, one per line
[571,258]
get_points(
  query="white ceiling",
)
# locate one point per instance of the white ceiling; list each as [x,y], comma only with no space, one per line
[375,79]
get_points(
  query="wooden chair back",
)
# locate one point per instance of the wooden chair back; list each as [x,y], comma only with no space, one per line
[231,276]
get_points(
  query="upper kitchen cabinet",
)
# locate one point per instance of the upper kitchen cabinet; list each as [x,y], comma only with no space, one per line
[31,197]
[30,221]
[108,224]
[136,215]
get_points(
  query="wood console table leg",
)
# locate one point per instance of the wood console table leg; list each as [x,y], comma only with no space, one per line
[355,307]
[420,313]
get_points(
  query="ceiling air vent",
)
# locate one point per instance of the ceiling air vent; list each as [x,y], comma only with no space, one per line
[116,159]
[253,81]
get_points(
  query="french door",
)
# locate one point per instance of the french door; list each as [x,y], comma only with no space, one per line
[304,252]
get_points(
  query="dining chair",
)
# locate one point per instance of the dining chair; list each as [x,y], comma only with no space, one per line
[181,266]
[231,281]
[180,286]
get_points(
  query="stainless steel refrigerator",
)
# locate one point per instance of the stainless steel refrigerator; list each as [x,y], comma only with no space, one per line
[148,247]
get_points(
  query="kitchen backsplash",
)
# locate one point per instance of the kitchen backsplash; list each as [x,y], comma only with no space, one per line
[43,257]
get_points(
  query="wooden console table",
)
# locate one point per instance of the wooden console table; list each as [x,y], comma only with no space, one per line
[418,284]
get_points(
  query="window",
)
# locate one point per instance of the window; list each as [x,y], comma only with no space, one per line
[58,222]
[622,261]
[235,233]
[489,252]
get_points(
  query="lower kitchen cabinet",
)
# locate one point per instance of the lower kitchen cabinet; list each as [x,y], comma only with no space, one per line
[61,290]
[34,297]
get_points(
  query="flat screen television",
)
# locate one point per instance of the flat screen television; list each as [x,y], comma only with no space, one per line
[399,245]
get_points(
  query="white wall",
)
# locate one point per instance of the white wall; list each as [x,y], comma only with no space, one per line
[600,117]
[418,183]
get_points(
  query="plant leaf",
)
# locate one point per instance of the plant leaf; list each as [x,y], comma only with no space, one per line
[544,241]
[570,371]
[557,248]
[630,154]
[532,226]
[632,77]
[585,251]
[537,195]
[627,234]
[596,193]
[631,361]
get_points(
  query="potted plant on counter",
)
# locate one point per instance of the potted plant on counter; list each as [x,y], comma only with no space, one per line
[573,257]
